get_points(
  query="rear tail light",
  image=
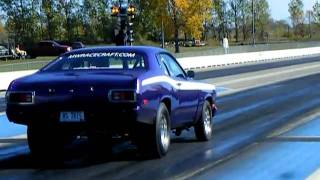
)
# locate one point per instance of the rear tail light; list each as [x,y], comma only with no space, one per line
[122,95]
[20,97]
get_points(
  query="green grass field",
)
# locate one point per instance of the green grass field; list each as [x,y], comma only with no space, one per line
[24,64]
[15,61]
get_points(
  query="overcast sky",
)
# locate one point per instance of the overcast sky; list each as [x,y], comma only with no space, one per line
[279,8]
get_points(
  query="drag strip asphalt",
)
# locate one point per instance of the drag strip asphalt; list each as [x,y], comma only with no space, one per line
[245,117]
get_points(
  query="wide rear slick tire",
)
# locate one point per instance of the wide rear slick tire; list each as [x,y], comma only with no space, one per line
[46,146]
[153,141]
[203,128]
[100,146]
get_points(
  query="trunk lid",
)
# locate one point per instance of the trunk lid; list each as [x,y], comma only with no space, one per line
[75,87]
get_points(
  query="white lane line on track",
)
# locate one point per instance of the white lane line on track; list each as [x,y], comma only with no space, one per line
[315,175]
[298,69]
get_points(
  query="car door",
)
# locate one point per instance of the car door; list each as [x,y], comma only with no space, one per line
[186,93]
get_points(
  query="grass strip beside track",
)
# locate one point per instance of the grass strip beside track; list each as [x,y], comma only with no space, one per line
[16,61]
[24,64]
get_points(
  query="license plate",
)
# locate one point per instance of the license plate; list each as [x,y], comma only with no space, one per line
[72,116]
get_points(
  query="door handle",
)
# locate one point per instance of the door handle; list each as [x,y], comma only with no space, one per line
[178,84]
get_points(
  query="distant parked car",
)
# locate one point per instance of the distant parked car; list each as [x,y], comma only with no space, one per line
[188,43]
[4,51]
[48,48]
[74,45]
[199,43]
[77,45]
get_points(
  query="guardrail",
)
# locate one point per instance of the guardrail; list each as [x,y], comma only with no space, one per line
[272,46]
[203,62]
[241,58]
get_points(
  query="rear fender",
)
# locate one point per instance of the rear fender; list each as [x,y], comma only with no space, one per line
[207,97]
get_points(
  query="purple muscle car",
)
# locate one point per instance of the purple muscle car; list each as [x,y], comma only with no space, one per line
[140,93]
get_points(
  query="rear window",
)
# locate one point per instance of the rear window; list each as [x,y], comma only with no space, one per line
[98,60]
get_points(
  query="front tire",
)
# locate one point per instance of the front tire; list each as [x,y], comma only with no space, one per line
[203,128]
[154,140]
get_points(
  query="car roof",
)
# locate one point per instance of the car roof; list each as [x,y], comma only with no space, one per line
[47,41]
[148,51]
[145,49]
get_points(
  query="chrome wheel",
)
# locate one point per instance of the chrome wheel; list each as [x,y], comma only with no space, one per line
[203,128]
[154,140]
[164,133]
[207,122]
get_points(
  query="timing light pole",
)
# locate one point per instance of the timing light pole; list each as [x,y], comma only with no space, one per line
[125,14]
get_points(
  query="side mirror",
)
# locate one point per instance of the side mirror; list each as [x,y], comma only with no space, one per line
[190,74]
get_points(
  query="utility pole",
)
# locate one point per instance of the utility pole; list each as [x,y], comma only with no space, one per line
[253,25]
[162,34]
[173,10]
[309,19]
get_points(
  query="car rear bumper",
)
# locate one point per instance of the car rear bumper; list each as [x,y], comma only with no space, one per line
[114,119]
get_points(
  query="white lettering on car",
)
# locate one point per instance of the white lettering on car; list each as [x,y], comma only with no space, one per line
[104,54]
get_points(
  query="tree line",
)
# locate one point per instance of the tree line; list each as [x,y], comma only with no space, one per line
[28,21]
[90,21]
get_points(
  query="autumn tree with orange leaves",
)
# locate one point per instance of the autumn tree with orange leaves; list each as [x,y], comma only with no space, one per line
[194,14]
[187,16]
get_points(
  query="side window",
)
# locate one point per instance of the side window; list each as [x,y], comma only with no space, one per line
[136,63]
[162,64]
[174,68]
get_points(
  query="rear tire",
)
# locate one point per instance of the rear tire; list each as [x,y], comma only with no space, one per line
[154,141]
[203,128]
[46,145]
[100,146]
